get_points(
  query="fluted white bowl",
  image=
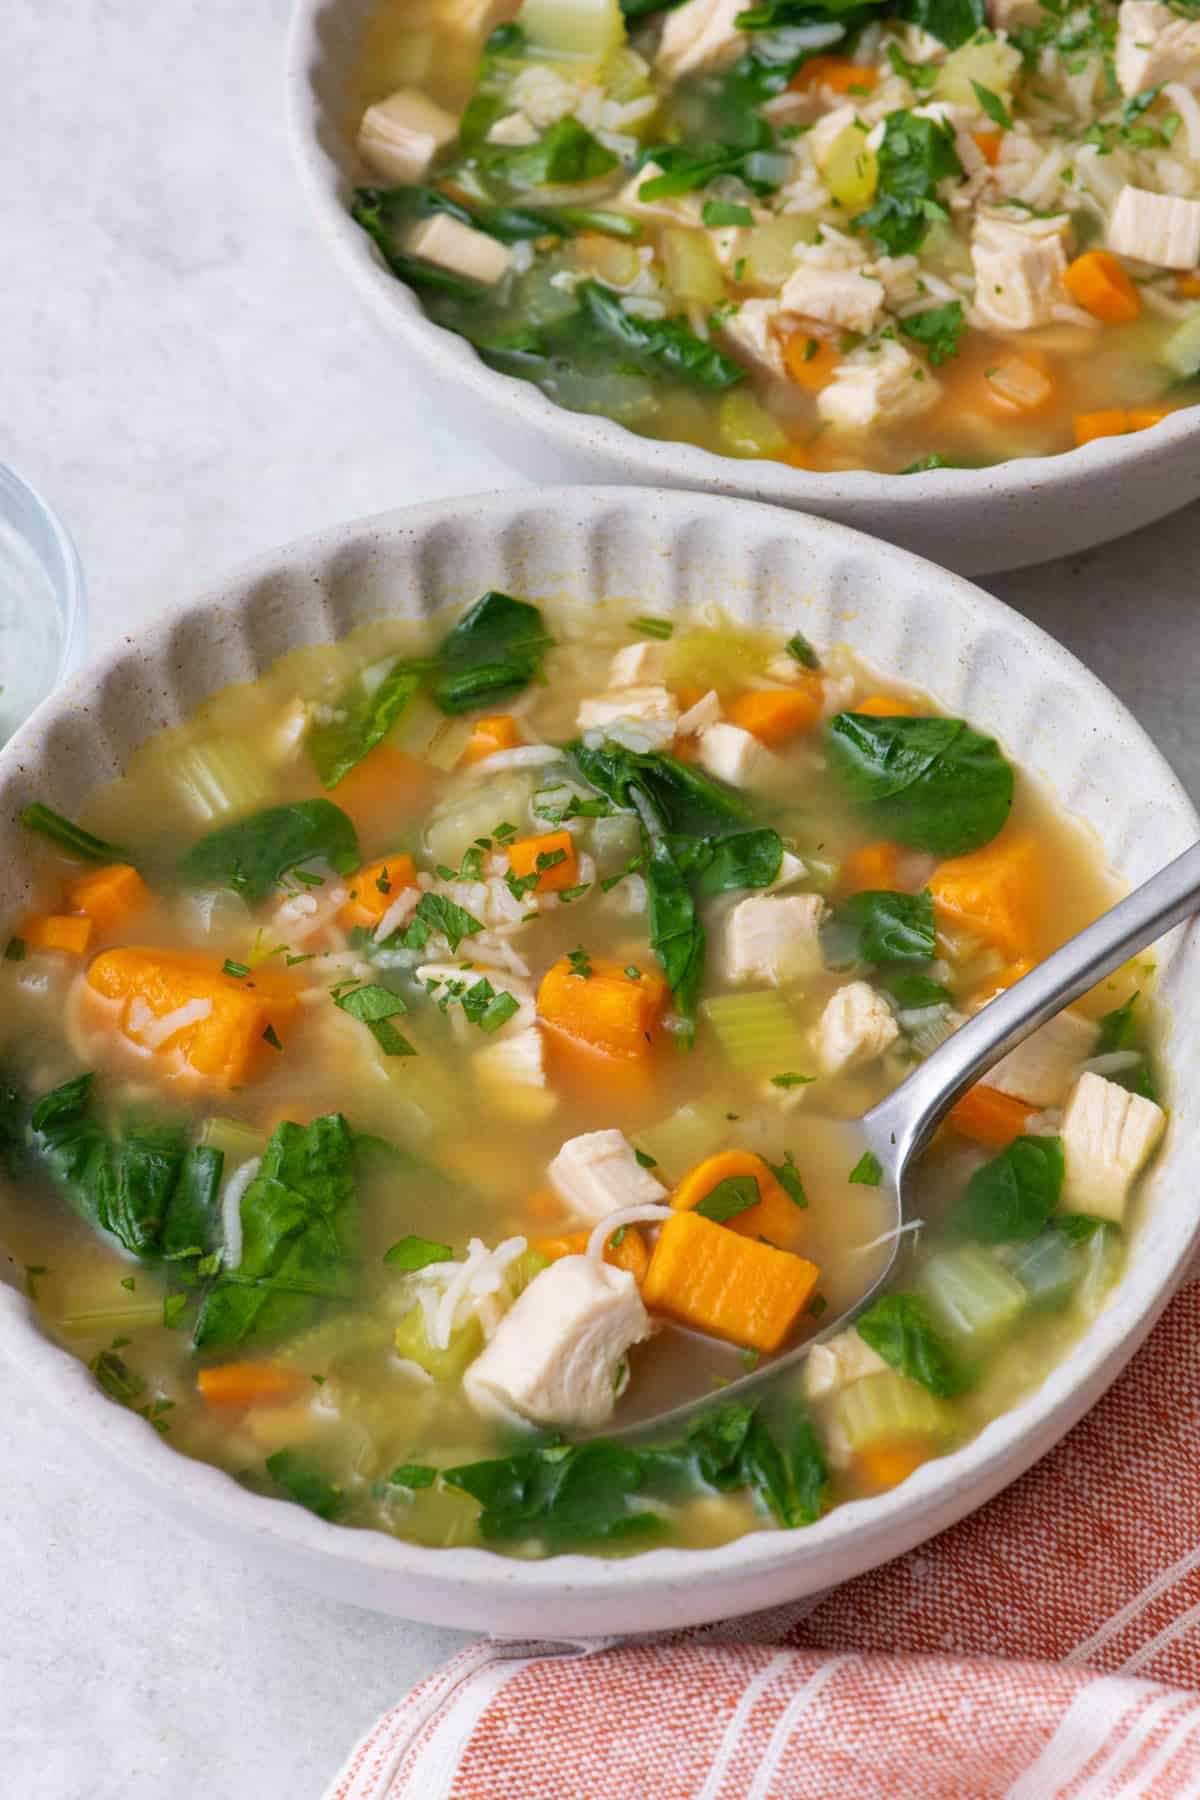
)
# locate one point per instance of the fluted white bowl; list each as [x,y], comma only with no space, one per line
[667,552]
[973,520]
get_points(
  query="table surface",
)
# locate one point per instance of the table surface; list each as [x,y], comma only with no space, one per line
[187,377]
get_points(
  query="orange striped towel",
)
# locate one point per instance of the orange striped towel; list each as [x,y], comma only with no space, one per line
[1047,1647]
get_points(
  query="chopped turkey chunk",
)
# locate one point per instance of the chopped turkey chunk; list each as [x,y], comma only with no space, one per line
[599,1173]
[774,937]
[556,1355]
[1019,267]
[512,1074]
[750,334]
[1156,228]
[640,665]
[1042,1069]
[736,756]
[641,718]
[400,136]
[1155,44]
[514,130]
[856,1026]
[832,1366]
[668,209]
[460,248]
[699,36]
[840,297]
[1108,1136]
[877,386]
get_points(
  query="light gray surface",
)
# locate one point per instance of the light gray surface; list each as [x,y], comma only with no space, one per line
[189,381]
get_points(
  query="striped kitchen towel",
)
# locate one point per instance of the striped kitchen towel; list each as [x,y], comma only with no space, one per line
[1046,1647]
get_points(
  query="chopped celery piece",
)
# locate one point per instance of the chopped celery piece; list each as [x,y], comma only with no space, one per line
[412,1343]
[474,811]
[985,59]
[1047,1267]
[344,1334]
[440,1517]
[683,1139]
[716,659]
[445,751]
[593,28]
[888,1409]
[693,272]
[1181,352]
[747,428]
[219,780]
[134,1315]
[971,1293]
[417,726]
[768,259]
[757,1031]
[615,841]
[1102,1256]
[238,1142]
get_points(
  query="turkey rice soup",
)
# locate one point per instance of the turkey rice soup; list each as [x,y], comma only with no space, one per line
[428,1057]
[895,235]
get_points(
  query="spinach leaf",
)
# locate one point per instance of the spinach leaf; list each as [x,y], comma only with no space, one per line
[952,21]
[70,837]
[899,1329]
[793,1478]
[494,651]
[641,9]
[915,156]
[911,992]
[123,1183]
[413,1253]
[659,346]
[1077,1228]
[1014,1194]
[114,1375]
[677,936]
[685,167]
[252,855]
[361,720]
[687,801]
[890,927]
[736,1194]
[563,1495]
[747,859]
[292,1471]
[192,1211]
[1119,1031]
[933,784]
[937,330]
[296,1238]
[565,154]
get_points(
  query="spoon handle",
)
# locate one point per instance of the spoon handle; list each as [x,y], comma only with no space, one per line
[899,1126]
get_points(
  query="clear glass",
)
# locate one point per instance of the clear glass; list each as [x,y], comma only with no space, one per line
[42,602]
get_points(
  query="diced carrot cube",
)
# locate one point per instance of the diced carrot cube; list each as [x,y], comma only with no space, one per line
[488,736]
[871,869]
[994,893]
[1023,381]
[383,794]
[810,361]
[604,1085]
[727,1285]
[113,896]
[607,1009]
[887,1465]
[990,1117]
[244,1384]
[374,889]
[837,73]
[776,1217]
[1188,286]
[1097,282]
[885,706]
[773,715]
[68,932]
[1111,422]
[1141,418]
[173,1003]
[630,1254]
[988,144]
[550,856]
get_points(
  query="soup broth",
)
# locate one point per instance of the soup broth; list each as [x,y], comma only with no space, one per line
[838,240]
[428,1060]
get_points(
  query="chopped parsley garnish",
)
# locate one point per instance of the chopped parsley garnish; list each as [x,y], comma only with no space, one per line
[443,915]
[788,1176]
[715,214]
[647,624]
[580,963]
[14,950]
[736,1194]
[238,970]
[817,1305]
[271,1036]
[375,1007]
[867,1171]
[937,330]
[993,106]
[790,1079]
[798,645]
[413,1253]
[645,1160]
[174,1307]
[413,1475]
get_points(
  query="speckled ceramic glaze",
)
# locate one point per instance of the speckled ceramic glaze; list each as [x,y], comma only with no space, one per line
[667,552]
[973,520]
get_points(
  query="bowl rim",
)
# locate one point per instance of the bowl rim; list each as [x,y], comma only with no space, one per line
[948,1486]
[65,573]
[650,462]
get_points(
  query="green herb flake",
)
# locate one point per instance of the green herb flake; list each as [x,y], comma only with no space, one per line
[238,970]
[798,645]
[271,1036]
[790,1079]
[645,1160]
[14,950]
[413,1475]
[736,1194]
[651,627]
[867,1171]
[788,1176]
[174,1307]
[413,1253]
[817,1305]
[580,963]
[993,106]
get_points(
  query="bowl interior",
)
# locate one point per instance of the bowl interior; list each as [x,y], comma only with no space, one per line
[41,599]
[662,552]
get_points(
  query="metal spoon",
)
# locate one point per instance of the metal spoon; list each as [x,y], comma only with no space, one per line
[897,1130]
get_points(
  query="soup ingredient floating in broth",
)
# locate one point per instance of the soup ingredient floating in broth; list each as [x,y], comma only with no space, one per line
[894,236]
[431,1056]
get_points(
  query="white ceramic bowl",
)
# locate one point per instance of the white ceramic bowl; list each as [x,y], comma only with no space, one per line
[665,552]
[973,520]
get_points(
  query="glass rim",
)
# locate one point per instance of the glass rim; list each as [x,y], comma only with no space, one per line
[63,567]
